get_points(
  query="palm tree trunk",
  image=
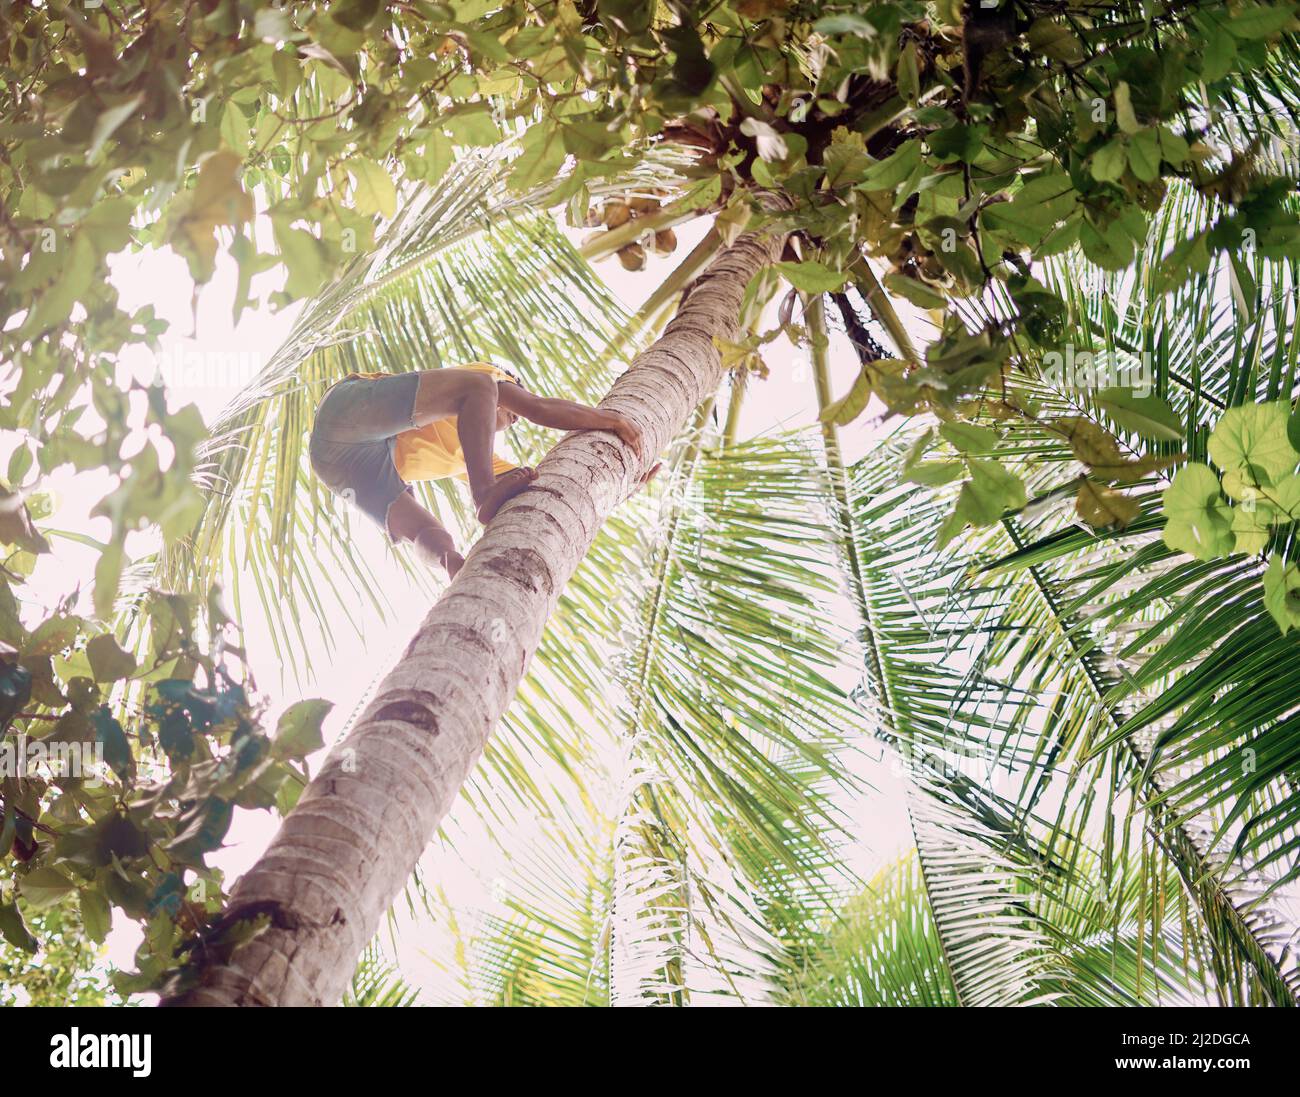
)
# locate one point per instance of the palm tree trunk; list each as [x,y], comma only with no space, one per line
[351,843]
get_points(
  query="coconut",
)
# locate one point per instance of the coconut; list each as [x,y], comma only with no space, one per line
[632,257]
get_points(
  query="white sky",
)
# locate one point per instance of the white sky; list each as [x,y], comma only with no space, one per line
[785,400]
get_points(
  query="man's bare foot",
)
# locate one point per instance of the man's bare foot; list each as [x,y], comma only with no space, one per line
[435,546]
[506,486]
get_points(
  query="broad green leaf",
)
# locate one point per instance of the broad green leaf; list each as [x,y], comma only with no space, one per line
[44,886]
[96,914]
[1124,115]
[989,493]
[852,404]
[958,142]
[373,190]
[541,158]
[1102,507]
[14,930]
[1090,442]
[895,169]
[54,634]
[1144,155]
[1048,189]
[1220,52]
[217,200]
[16,526]
[1149,416]
[1108,162]
[909,81]
[117,749]
[1285,495]
[108,577]
[1253,438]
[108,662]
[1053,39]
[969,438]
[298,732]
[473,129]
[1139,468]
[812,276]
[590,140]
[272,24]
[204,830]
[1282,593]
[1261,20]
[933,473]
[1198,520]
[355,14]
[994,490]
[1173,147]
[437,157]
[1252,524]
[304,255]
[918,292]
[110,118]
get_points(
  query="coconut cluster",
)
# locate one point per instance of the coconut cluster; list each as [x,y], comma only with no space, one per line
[614,213]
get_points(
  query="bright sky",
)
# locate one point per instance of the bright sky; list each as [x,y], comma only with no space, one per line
[237,352]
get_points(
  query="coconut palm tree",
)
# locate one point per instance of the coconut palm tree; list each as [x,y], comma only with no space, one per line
[431,717]
[1132,856]
[1109,899]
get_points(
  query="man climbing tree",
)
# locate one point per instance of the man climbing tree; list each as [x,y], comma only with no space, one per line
[404,761]
[376,434]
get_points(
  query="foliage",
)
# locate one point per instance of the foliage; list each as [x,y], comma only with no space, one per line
[375,984]
[1089,748]
[120,777]
[962,144]
[66,970]
[678,843]
[880,949]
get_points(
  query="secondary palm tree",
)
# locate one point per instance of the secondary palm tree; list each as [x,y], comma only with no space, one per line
[1082,662]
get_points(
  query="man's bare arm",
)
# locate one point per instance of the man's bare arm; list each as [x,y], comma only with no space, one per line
[546,411]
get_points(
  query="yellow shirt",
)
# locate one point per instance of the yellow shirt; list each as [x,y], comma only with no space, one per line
[433,452]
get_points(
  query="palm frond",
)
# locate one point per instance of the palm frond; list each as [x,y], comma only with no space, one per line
[376,983]
[880,949]
[1119,681]
[687,839]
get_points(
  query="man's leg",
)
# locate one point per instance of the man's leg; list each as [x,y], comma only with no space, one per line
[408,521]
[471,396]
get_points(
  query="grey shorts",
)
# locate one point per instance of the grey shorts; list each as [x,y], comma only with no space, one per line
[352,440]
